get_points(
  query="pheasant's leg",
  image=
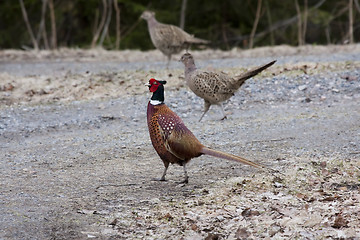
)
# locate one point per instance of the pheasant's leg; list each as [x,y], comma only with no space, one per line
[166,168]
[168,62]
[163,176]
[186,180]
[222,111]
[206,108]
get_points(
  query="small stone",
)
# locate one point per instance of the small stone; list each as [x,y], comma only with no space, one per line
[343,188]
[323,164]
[168,216]
[155,200]
[194,227]
[242,233]
[114,222]
[302,87]
[340,221]
[306,100]
[212,236]
[249,213]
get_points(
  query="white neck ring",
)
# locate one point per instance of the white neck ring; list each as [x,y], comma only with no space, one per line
[155,102]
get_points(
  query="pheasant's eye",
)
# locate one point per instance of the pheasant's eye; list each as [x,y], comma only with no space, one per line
[152,81]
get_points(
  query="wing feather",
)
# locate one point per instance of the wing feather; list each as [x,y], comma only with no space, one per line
[178,139]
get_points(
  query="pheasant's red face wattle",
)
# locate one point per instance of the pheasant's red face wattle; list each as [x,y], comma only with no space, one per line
[154,84]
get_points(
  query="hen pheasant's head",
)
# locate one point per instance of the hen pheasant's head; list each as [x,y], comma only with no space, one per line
[146,15]
[187,59]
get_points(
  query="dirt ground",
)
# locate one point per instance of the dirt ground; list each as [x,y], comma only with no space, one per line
[77,161]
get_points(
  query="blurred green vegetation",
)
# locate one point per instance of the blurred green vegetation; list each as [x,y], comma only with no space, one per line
[226,23]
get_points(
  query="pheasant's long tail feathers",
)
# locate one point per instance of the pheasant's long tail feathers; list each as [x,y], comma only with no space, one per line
[230,157]
[246,75]
[195,40]
[235,158]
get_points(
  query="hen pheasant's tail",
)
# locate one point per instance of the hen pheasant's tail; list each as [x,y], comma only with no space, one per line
[240,79]
[195,40]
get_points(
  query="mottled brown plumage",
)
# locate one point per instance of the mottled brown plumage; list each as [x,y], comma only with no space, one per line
[172,140]
[169,39]
[215,87]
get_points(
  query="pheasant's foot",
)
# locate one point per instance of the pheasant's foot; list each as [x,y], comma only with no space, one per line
[185,181]
[159,179]
[225,117]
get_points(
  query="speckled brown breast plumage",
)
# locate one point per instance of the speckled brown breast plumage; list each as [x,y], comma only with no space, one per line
[172,140]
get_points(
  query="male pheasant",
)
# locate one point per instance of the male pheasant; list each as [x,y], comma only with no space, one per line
[169,39]
[172,140]
[215,87]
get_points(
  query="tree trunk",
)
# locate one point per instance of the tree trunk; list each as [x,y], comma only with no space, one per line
[257,17]
[224,13]
[304,23]
[26,19]
[100,27]
[118,32]
[223,34]
[357,5]
[327,34]
[106,26]
[42,24]
[336,15]
[299,23]
[351,22]
[53,25]
[45,37]
[272,39]
[96,21]
[182,14]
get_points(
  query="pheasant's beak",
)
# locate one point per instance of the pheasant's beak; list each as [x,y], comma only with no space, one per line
[147,84]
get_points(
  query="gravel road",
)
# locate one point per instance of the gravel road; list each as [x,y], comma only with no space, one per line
[83,168]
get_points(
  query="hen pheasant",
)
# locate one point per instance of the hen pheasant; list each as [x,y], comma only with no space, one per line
[215,87]
[172,140]
[169,39]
